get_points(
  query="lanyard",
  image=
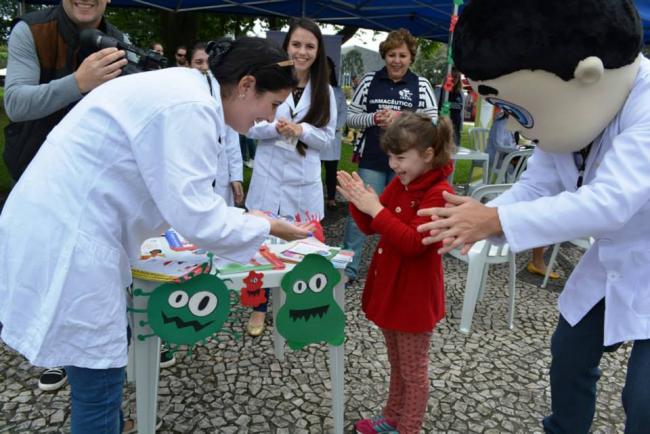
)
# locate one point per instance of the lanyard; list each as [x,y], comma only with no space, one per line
[580,159]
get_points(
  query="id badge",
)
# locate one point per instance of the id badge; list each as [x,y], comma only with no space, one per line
[288,143]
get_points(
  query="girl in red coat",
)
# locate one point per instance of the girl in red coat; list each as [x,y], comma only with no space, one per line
[404,292]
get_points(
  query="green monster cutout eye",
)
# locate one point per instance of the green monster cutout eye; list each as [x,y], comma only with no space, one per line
[310,313]
[187,312]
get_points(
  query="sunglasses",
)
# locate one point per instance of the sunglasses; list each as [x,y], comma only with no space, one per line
[180,54]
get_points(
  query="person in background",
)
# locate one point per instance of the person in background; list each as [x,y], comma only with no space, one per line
[247,147]
[330,157]
[126,143]
[286,179]
[229,181]
[180,56]
[379,99]
[158,48]
[42,85]
[456,101]
[199,57]
[404,292]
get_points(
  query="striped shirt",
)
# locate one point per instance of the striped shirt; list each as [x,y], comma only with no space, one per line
[386,94]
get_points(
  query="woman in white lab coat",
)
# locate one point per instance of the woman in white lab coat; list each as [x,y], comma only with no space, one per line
[230,173]
[229,183]
[331,156]
[121,167]
[287,175]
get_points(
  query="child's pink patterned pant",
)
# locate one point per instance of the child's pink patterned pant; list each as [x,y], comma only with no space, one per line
[408,354]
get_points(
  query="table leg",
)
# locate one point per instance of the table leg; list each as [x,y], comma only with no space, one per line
[278,341]
[146,357]
[337,366]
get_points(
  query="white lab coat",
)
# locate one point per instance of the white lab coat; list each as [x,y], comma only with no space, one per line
[134,157]
[333,153]
[285,182]
[613,206]
[231,167]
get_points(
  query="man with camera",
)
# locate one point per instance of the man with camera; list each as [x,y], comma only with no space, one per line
[47,73]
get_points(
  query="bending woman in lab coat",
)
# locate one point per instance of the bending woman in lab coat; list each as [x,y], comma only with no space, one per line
[287,175]
[121,167]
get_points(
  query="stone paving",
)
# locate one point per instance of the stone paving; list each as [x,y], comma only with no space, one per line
[493,380]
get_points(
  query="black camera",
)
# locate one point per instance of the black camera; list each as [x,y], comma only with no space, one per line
[138,60]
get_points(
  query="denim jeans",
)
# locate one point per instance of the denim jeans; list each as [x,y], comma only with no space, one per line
[264,306]
[354,238]
[96,400]
[576,353]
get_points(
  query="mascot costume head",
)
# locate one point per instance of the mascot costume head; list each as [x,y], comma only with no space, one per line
[561,69]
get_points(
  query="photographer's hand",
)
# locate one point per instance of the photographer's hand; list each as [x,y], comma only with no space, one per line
[98,68]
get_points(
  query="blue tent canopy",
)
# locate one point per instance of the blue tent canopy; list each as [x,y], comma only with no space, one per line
[423,18]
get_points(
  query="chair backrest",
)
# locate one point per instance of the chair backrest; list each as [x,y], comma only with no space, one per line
[487,192]
[478,138]
[512,166]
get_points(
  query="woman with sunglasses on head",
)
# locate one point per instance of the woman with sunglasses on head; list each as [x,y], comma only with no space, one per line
[287,174]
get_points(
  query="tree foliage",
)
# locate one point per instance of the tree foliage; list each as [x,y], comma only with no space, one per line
[431,61]
[145,25]
[352,63]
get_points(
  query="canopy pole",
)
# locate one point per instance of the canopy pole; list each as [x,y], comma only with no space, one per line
[304,9]
[445,94]
[22,8]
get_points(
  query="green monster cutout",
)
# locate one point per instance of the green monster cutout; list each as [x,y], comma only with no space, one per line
[310,313]
[187,312]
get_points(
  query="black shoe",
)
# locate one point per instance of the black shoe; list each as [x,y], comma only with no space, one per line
[52,379]
[167,359]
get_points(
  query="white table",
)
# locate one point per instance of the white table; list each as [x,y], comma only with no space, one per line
[144,358]
[473,155]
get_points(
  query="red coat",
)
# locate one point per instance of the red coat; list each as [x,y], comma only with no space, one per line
[405,285]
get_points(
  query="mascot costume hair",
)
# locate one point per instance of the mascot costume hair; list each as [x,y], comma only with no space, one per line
[571,75]
[562,69]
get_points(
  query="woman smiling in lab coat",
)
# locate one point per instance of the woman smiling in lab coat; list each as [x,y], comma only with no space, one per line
[287,175]
[122,166]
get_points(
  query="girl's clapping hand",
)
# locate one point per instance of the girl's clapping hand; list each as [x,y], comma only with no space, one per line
[362,196]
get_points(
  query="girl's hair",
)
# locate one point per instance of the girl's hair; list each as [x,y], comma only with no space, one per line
[231,60]
[332,70]
[396,39]
[196,47]
[416,131]
[319,108]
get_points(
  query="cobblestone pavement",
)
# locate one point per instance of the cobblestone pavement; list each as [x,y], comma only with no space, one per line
[493,380]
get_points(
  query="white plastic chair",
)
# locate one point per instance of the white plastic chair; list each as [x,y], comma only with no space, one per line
[479,258]
[583,243]
[508,172]
[478,138]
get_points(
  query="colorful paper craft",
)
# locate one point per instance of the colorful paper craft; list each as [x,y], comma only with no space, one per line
[310,314]
[187,312]
[253,294]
